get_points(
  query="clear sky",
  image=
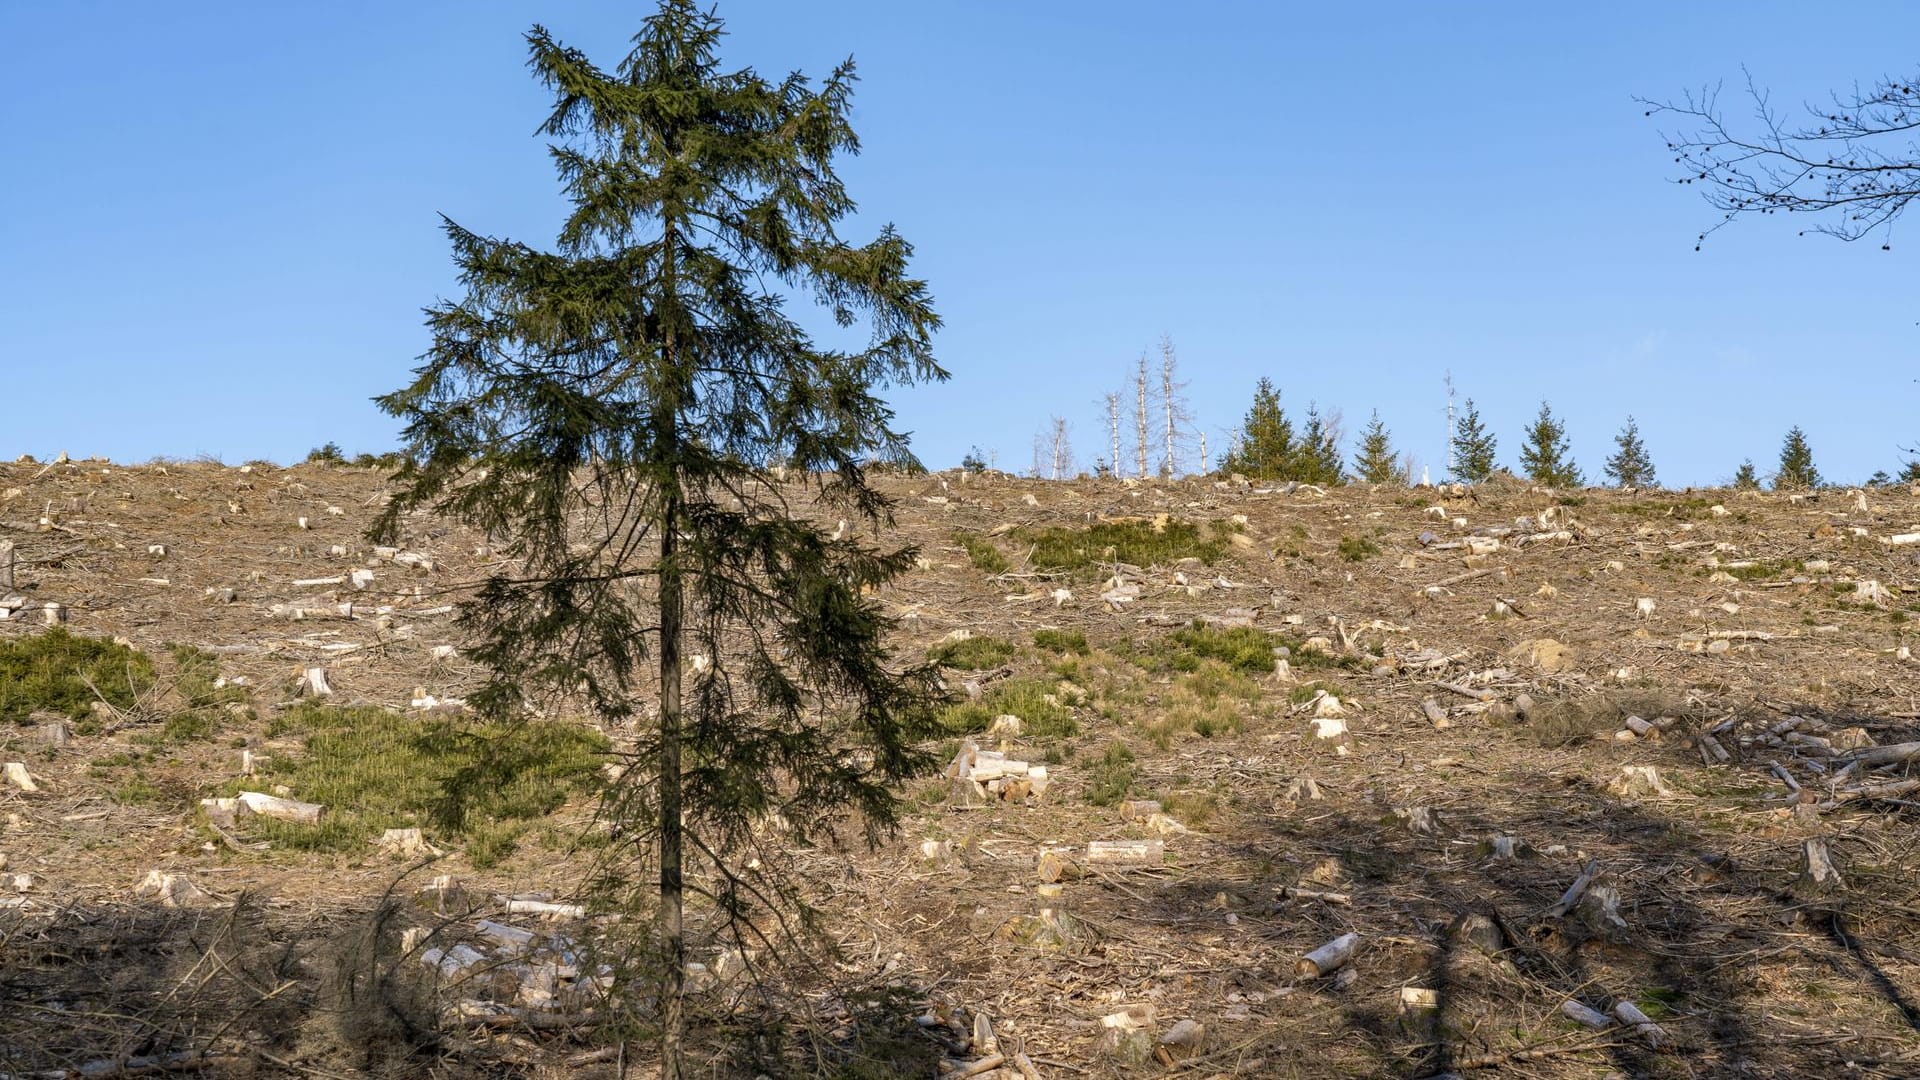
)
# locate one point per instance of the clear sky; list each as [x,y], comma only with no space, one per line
[218,220]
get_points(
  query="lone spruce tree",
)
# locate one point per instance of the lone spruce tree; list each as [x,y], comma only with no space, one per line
[1630,465]
[610,411]
[1546,458]
[1746,478]
[1375,462]
[1317,457]
[1473,447]
[1265,449]
[1797,472]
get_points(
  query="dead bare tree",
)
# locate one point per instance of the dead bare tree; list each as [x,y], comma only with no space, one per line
[1173,407]
[1853,162]
[1141,399]
[1060,447]
[1112,401]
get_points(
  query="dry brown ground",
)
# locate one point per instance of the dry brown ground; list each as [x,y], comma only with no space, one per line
[1747,976]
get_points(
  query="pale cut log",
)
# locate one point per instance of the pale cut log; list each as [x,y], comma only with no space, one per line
[53,614]
[1638,726]
[1891,790]
[317,582]
[1581,1014]
[302,813]
[1883,755]
[1710,746]
[1288,892]
[1436,715]
[1643,1024]
[546,908]
[1126,852]
[1476,693]
[1327,958]
[1024,1064]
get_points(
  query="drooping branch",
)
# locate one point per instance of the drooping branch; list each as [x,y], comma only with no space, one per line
[1855,162]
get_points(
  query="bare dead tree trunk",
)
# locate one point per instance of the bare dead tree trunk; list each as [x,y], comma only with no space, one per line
[1060,448]
[1172,406]
[1140,437]
[1113,431]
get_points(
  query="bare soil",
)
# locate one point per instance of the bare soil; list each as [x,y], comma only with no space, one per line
[285,966]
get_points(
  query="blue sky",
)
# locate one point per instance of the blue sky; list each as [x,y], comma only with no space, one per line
[219,220]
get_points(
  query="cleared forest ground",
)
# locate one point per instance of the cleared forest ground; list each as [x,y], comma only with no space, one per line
[1472,660]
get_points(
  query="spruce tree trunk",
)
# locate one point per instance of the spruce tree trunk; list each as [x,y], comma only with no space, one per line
[672,945]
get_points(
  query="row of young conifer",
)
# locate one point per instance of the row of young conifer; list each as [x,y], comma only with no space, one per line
[1267,447]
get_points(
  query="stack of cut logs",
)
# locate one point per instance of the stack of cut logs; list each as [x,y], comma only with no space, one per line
[980,776]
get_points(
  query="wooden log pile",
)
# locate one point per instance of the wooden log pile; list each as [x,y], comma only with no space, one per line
[981,776]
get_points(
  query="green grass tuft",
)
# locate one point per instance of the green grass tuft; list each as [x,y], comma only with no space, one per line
[1136,542]
[1358,548]
[1112,776]
[374,770]
[982,554]
[60,672]
[1037,701]
[1243,648]
[1061,641]
[972,654]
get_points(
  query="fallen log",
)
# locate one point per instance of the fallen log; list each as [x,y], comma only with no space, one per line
[1327,958]
[301,813]
[1474,692]
[1126,852]
[1628,1013]
[1581,1014]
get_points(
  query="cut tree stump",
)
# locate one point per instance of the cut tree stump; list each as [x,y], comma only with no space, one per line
[404,843]
[1818,875]
[1576,890]
[1636,781]
[313,682]
[19,777]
